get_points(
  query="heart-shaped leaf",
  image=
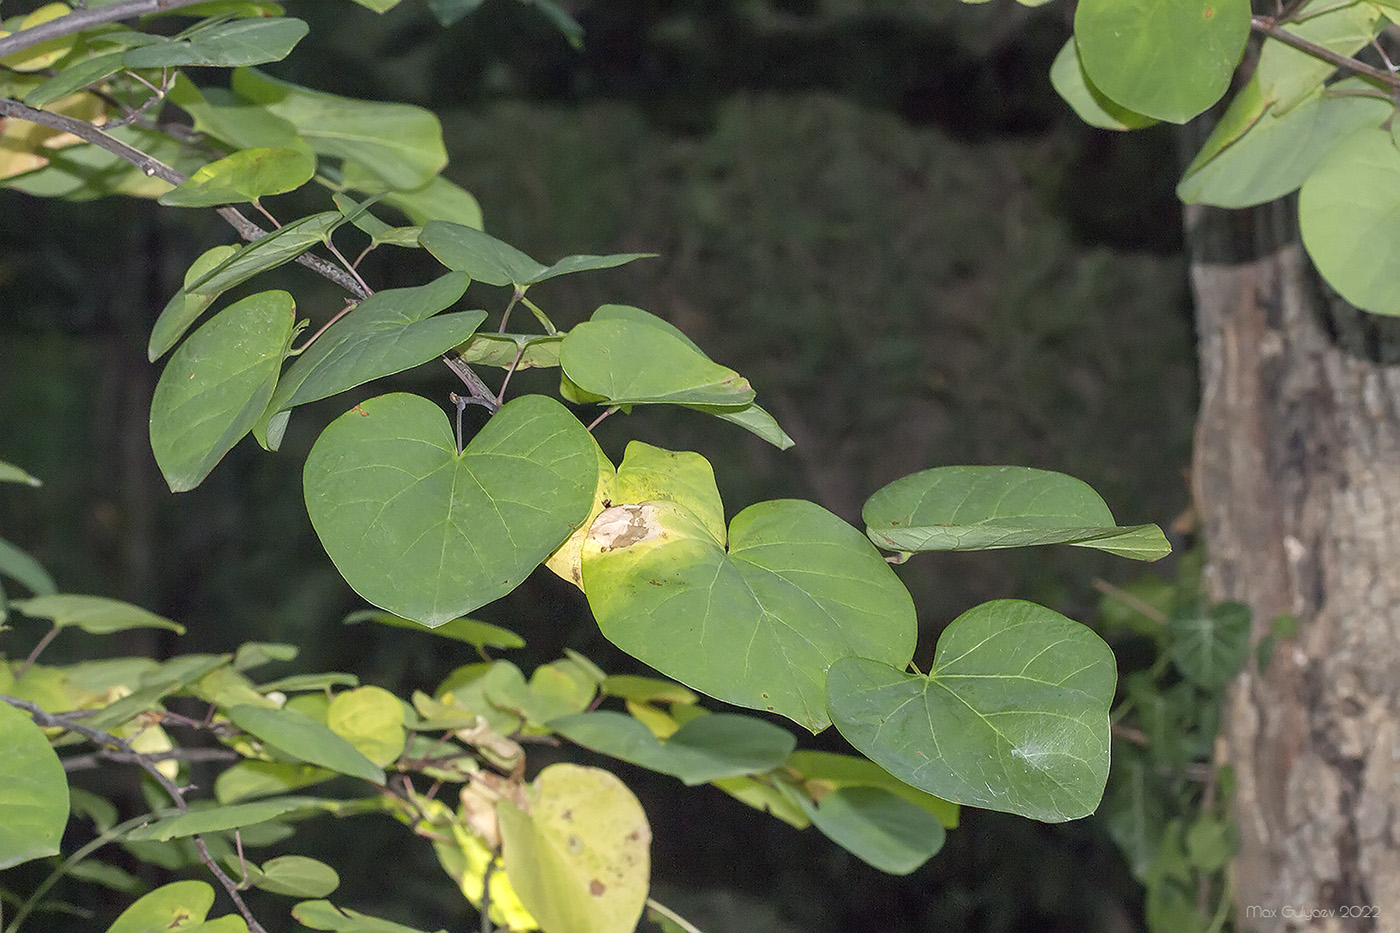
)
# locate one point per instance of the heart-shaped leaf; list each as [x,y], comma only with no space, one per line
[580,856]
[430,534]
[1013,717]
[757,625]
[707,748]
[298,736]
[969,508]
[33,791]
[217,385]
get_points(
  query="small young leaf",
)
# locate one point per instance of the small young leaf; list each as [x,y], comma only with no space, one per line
[1210,648]
[298,876]
[371,719]
[9,473]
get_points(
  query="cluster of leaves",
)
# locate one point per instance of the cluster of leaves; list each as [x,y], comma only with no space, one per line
[784,609]
[1167,800]
[1314,115]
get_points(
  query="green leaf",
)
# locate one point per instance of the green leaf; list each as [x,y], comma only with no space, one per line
[450,11]
[19,566]
[707,748]
[430,534]
[1013,717]
[280,246]
[247,175]
[74,77]
[1070,82]
[378,6]
[371,719]
[1287,75]
[1349,212]
[392,330]
[822,771]
[524,351]
[878,827]
[9,473]
[297,876]
[751,418]
[968,508]
[254,41]
[652,474]
[1210,648]
[646,689]
[170,906]
[439,199]
[186,307]
[217,385]
[478,634]
[478,254]
[219,113]
[311,683]
[1169,59]
[95,615]
[487,259]
[33,791]
[252,654]
[578,858]
[1279,149]
[219,818]
[757,625]
[247,779]
[300,737]
[398,143]
[628,363]
[323,915]
[1134,808]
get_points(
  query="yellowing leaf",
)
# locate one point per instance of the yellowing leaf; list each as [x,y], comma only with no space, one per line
[580,857]
[45,53]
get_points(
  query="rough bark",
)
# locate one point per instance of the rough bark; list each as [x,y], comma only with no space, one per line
[1297,483]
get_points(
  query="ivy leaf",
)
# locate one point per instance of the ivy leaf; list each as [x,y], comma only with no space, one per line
[756,624]
[1013,717]
[430,534]
[217,385]
[1210,647]
[708,748]
[1168,59]
[968,508]
[33,791]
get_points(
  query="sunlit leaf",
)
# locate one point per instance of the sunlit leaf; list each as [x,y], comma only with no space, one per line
[33,791]
[246,175]
[300,737]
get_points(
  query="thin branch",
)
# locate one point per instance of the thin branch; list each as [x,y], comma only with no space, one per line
[1132,602]
[93,760]
[157,169]
[107,741]
[44,642]
[1269,27]
[79,20]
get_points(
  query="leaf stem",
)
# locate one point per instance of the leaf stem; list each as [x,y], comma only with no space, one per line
[349,306]
[49,636]
[598,420]
[540,316]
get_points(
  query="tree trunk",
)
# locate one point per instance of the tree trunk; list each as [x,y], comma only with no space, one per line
[1297,483]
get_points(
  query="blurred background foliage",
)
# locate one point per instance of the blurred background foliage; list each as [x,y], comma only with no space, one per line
[877,210]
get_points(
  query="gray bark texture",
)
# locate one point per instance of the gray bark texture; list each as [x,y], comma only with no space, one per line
[1297,485]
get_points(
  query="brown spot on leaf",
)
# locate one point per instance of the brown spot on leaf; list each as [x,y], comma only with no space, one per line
[596,888]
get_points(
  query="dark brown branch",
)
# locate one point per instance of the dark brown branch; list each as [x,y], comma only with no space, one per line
[108,742]
[158,169]
[79,20]
[95,759]
[1268,25]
